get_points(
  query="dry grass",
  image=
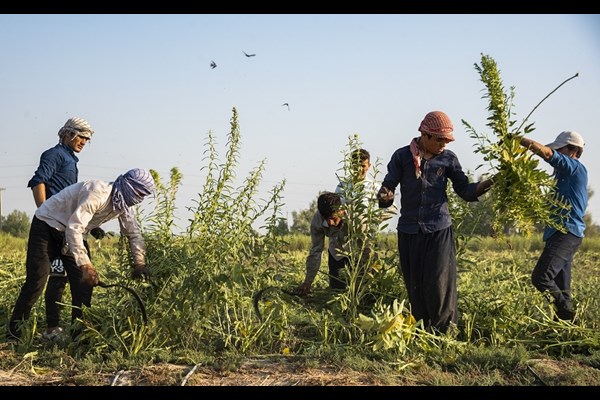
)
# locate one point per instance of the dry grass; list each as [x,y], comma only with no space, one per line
[288,371]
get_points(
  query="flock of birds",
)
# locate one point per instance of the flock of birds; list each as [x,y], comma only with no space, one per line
[213,65]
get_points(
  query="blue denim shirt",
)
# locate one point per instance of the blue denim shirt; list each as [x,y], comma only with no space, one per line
[423,201]
[57,169]
[571,183]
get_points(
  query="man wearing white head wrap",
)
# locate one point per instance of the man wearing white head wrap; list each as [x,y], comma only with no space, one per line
[59,226]
[57,170]
[58,165]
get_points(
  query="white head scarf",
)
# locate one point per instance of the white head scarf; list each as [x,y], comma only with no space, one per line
[78,126]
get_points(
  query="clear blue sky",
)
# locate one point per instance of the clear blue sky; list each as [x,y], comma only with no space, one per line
[145,84]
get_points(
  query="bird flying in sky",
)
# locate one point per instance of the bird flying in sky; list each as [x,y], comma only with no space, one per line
[286,104]
[248,55]
[213,65]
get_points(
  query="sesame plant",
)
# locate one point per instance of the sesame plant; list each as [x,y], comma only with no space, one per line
[223,255]
[367,316]
[363,218]
[523,194]
[469,219]
[375,317]
[199,294]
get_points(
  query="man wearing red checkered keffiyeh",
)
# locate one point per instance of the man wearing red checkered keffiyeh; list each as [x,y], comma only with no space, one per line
[425,235]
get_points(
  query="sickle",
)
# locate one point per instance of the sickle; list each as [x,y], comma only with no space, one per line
[134,294]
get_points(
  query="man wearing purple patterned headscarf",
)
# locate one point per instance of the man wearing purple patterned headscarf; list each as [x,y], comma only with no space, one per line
[59,226]
[131,188]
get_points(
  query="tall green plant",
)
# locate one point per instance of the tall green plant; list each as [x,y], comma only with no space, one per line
[202,279]
[162,218]
[371,285]
[165,246]
[469,219]
[223,258]
[523,194]
[363,220]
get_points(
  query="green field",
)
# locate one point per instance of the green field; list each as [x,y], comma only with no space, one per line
[201,314]
[203,320]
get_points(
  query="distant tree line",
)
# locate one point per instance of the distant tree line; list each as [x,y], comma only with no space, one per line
[16,224]
[469,218]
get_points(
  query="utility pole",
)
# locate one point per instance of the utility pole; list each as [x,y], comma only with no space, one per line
[1,190]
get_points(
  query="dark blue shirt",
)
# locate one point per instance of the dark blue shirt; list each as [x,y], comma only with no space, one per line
[571,183]
[57,169]
[423,201]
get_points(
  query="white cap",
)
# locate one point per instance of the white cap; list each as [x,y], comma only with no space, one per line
[566,138]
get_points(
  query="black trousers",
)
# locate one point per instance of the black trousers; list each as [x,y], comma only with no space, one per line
[552,272]
[44,245]
[428,263]
[335,282]
[54,293]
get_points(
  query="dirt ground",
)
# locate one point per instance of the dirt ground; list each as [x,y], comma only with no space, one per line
[256,372]
[281,372]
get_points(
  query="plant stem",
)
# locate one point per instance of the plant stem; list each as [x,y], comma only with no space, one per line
[548,95]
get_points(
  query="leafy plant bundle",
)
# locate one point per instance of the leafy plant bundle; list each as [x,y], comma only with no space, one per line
[363,221]
[523,195]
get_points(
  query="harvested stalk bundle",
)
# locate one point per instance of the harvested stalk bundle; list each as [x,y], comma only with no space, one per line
[523,194]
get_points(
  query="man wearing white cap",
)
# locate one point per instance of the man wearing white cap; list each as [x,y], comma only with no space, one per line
[425,236]
[58,228]
[57,170]
[552,272]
